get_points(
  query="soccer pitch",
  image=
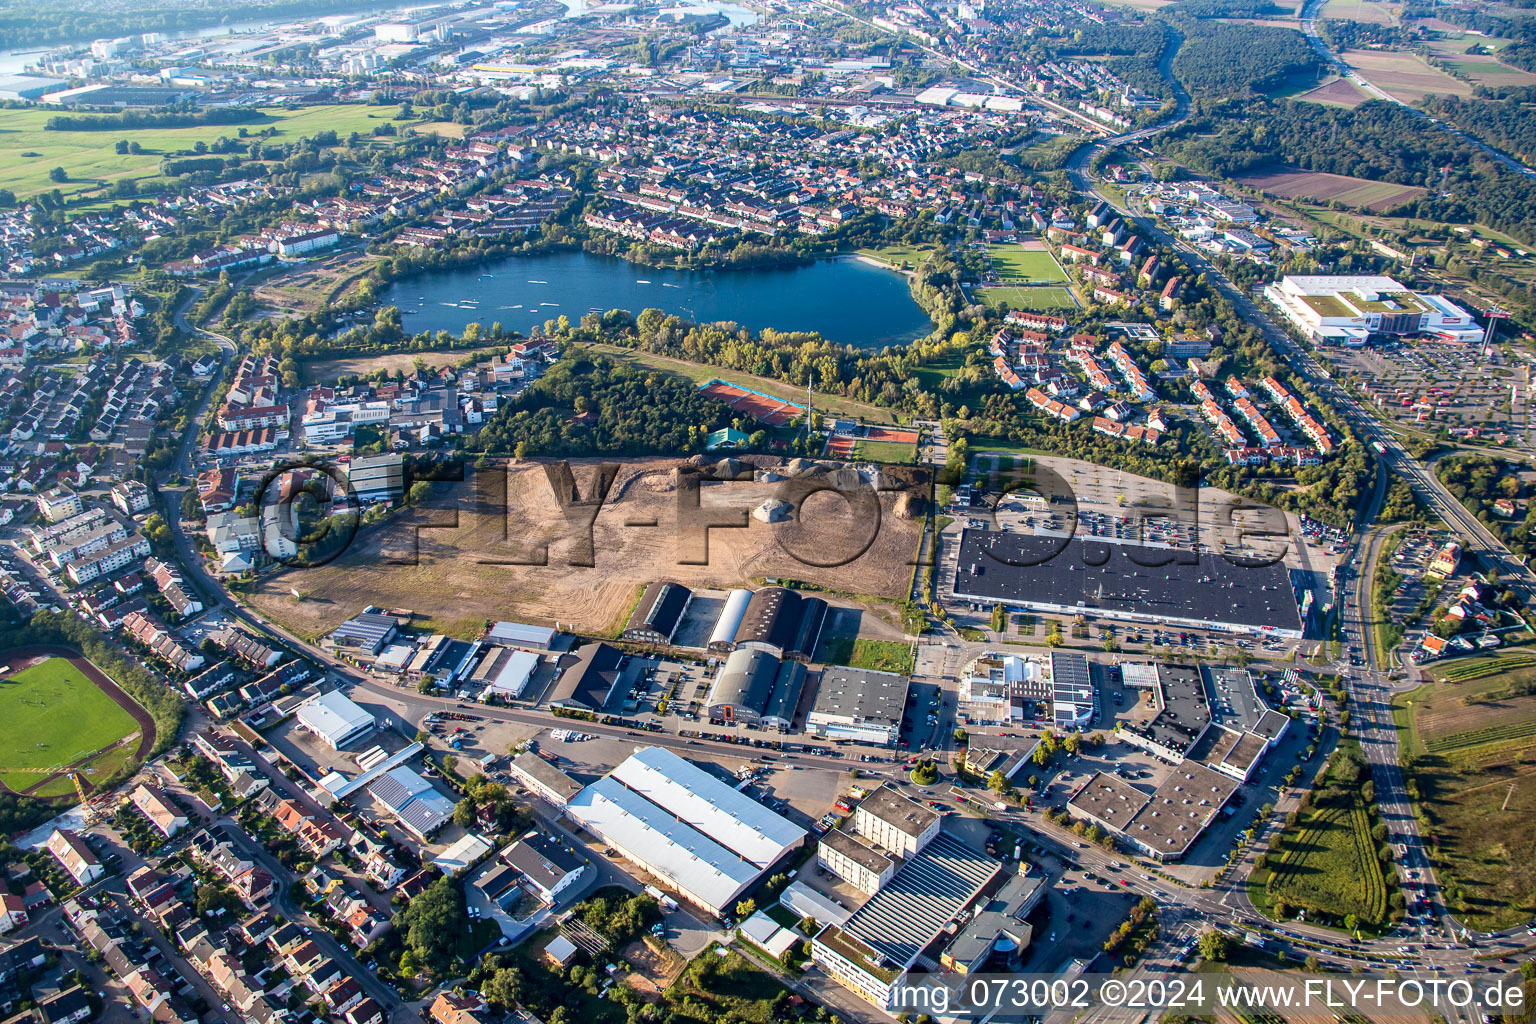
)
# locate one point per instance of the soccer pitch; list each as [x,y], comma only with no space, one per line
[53,715]
[1034,299]
[1016,263]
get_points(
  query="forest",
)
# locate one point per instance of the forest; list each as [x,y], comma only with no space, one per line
[587,404]
[1506,124]
[1222,60]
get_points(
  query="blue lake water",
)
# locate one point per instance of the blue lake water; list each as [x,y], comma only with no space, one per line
[847,301]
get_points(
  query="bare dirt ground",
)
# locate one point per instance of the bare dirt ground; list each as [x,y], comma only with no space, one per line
[324,370]
[463,557]
[654,971]
[315,284]
[1340,92]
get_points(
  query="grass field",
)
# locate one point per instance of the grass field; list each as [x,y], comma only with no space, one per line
[1018,262]
[53,715]
[699,373]
[876,655]
[884,451]
[899,256]
[1471,747]
[1037,299]
[28,151]
[1328,861]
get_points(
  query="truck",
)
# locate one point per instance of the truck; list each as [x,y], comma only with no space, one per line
[667,902]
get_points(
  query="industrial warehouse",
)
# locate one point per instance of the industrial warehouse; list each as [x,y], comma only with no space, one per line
[1077,577]
[686,827]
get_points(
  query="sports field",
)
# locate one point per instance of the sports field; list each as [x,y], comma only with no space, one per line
[28,151]
[1035,299]
[1471,743]
[51,715]
[1025,262]
[884,451]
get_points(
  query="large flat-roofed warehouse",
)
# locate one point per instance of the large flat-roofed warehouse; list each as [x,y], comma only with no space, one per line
[1182,713]
[1097,579]
[858,704]
[874,949]
[756,689]
[655,618]
[1170,821]
[782,622]
[686,827]
[334,719]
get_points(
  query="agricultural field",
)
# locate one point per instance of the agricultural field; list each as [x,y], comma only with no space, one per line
[53,717]
[1025,262]
[1041,300]
[499,546]
[1486,69]
[1406,76]
[1327,863]
[1340,92]
[1325,188]
[28,151]
[1470,742]
[1371,12]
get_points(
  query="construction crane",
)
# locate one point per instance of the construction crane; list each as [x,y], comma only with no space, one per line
[74,777]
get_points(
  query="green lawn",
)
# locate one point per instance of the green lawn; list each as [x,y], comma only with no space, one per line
[700,372]
[899,256]
[53,715]
[1014,262]
[884,451]
[876,655]
[1328,865]
[1036,299]
[89,157]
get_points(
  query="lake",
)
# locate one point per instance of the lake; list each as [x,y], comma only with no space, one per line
[847,301]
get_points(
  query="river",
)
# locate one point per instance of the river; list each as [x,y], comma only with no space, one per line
[847,301]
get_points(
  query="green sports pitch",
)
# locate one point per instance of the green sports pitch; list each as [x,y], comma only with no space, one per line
[51,715]
[1016,263]
[1034,299]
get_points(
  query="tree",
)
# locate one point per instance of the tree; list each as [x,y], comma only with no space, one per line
[504,988]
[961,736]
[449,763]
[58,174]
[420,490]
[434,922]
[745,909]
[1215,945]
[997,782]
[808,925]
[427,685]
[1351,923]
[1311,964]
[464,812]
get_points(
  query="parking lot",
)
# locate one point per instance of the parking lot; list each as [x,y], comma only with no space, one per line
[1434,384]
